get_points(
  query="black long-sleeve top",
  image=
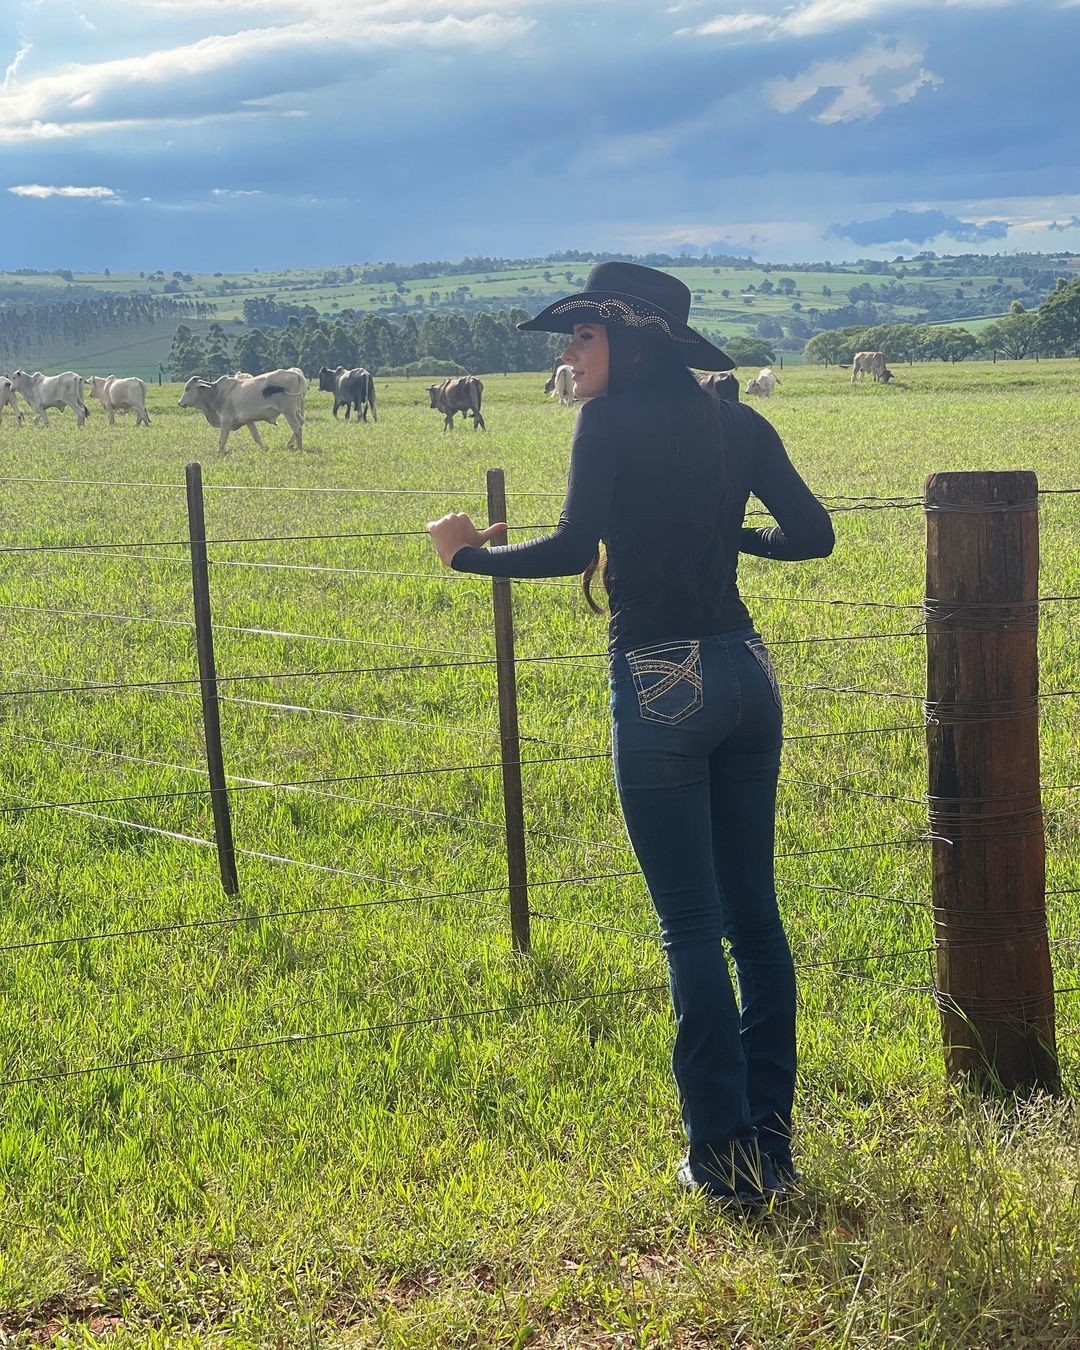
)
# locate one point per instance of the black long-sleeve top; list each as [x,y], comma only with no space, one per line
[665,488]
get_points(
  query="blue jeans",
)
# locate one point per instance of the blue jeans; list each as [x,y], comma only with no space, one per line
[697,729]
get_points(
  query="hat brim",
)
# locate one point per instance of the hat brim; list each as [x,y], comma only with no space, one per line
[630,311]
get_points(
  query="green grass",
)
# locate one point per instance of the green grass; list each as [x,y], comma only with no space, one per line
[502,1180]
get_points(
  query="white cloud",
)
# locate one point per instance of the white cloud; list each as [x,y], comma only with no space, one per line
[235,192]
[40,191]
[219,76]
[12,72]
[731,25]
[884,74]
[819,16]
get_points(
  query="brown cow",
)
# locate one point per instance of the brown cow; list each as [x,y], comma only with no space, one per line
[458,394]
[722,385]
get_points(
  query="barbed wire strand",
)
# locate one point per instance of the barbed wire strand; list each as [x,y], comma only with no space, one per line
[303,782]
[298,1038]
[296,674]
[189,625]
[257,854]
[235,539]
[453,818]
[257,916]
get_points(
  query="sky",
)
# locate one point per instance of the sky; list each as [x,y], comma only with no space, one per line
[230,134]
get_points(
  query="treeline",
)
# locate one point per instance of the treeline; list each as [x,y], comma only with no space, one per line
[1051,330]
[391,272]
[25,331]
[490,342]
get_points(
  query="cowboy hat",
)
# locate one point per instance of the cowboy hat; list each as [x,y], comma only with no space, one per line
[641,298]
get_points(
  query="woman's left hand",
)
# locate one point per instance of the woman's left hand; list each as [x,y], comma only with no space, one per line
[456,531]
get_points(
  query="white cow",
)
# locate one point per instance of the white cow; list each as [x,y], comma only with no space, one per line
[563,387]
[763,383]
[230,402]
[116,394]
[870,363]
[51,391]
[9,399]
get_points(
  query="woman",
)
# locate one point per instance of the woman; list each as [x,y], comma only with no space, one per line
[660,473]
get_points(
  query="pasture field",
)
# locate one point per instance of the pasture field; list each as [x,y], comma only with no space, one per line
[474,1148]
[531,287]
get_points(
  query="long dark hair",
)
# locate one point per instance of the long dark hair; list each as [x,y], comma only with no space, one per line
[639,361]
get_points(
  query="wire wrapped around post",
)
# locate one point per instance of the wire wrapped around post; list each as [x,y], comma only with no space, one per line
[995,995]
[509,738]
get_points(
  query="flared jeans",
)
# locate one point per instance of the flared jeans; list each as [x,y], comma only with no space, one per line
[697,728]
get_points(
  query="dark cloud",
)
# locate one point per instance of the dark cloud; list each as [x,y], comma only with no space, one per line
[917,227]
[1073,223]
[344,142]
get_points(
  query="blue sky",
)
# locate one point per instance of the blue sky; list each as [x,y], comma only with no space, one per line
[227,134]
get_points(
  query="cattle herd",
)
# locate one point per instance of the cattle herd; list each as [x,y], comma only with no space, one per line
[243,399]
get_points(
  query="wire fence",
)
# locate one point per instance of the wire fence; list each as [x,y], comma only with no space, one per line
[325,787]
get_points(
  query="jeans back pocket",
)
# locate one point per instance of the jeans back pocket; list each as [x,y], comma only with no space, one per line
[667,680]
[760,653]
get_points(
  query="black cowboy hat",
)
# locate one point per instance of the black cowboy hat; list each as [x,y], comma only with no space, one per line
[636,297]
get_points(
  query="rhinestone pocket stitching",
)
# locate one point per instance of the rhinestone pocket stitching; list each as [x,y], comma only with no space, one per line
[687,670]
[760,653]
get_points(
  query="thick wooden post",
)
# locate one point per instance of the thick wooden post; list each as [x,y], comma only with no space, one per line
[995,983]
[513,803]
[204,641]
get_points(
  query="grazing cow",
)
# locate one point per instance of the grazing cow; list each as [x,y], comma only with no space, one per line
[354,388]
[561,385]
[722,385]
[763,383]
[51,391]
[9,399]
[115,395]
[229,403]
[870,363]
[459,393]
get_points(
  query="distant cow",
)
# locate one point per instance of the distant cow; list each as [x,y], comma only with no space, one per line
[870,363]
[354,388]
[458,394]
[230,403]
[9,399]
[763,383]
[561,385]
[51,391]
[722,385]
[115,395]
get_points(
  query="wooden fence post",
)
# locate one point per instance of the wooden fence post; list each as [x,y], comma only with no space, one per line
[204,641]
[513,804]
[995,983]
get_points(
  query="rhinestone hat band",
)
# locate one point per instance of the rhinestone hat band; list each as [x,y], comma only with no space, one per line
[622,312]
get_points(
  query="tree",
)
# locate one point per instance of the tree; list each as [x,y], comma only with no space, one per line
[834,348]
[187,356]
[750,351]
[1013,335]
[1059,320]
[217,353]
[253,352]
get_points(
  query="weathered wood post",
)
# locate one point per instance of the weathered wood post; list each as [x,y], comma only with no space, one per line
[513,803]
[204,642]
[995,983]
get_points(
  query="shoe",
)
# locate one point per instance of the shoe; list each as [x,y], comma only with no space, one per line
[743,1178]
[787,1174]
